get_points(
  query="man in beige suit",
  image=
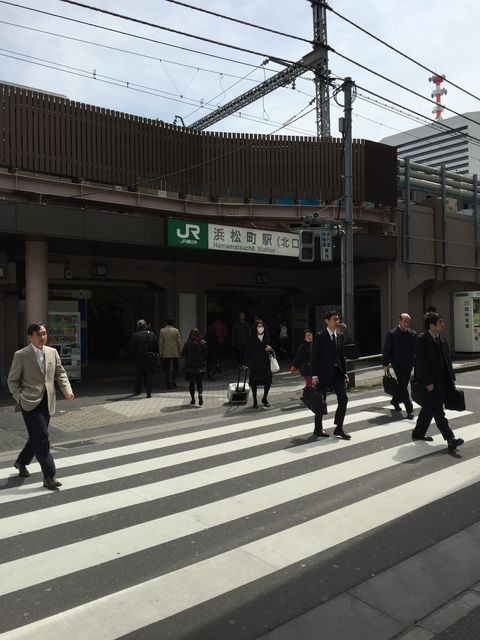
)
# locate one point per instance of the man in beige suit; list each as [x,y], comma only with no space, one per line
[31,381]
[170,351]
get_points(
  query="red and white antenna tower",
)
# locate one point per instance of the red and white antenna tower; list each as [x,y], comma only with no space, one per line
[437,80]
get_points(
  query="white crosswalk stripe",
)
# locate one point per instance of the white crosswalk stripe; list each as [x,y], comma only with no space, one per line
[205,434]
[33,521]
[222,492]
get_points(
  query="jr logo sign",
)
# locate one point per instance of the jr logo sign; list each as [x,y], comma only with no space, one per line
[190,235]
[192,230]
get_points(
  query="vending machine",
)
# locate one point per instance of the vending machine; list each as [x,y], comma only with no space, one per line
[64,336]
[466,320]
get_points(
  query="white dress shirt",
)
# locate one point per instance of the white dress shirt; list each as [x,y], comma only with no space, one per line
[40,354]
[332,333]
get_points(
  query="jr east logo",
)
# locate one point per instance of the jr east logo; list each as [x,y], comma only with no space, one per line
[193,235]
[190,235]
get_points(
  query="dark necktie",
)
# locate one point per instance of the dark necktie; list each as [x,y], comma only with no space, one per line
[438,341]
[334,348]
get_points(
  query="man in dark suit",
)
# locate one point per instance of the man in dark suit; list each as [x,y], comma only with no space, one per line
[329,371]
[31,381]
[145,354]
[433,369]
[399,352]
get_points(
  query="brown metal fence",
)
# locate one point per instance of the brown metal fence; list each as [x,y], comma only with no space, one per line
[52,135]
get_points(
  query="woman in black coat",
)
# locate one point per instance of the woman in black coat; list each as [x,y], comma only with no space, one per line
[195,354]
[303,358]
[258,361]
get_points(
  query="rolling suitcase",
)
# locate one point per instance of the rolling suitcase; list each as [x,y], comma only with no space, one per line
[238,393]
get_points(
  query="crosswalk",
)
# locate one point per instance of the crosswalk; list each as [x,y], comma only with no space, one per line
[169,537]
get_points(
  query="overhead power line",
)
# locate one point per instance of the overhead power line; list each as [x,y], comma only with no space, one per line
[401,53]
[131,86]
[86,6]
[238,61]
[129,34]
[88,74]
[223,92]
[238,21]
[146,23]
[431,121]
[365,68]
[138,53]
[281,79]
[400,86]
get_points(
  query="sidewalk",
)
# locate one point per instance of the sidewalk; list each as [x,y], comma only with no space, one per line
[433,595]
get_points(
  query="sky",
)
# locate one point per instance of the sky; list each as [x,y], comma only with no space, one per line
[151,79]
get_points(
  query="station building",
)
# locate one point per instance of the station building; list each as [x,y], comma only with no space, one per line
[106,217]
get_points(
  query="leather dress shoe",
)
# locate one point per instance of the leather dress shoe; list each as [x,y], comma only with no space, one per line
[255,404]
[453,443]
[23,472]
[424,438]
[340,433]
[395,405]
[265,402]
[51,483]
[321,434]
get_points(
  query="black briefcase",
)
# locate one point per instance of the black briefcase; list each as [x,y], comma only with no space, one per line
[315,400]
[390,384]
[455,400]
[419,392]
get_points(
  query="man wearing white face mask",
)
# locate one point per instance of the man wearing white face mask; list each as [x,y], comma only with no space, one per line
[258,362]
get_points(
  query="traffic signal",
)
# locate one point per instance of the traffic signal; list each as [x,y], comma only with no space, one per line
[306,245]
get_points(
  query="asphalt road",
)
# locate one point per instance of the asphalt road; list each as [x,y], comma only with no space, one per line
[241,527]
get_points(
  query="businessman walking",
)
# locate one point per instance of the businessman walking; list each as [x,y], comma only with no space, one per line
[329,371]
[433,370]
[144,347]
[31,381]
[399,352]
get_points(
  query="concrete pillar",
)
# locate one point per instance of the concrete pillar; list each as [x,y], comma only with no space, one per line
[36,280]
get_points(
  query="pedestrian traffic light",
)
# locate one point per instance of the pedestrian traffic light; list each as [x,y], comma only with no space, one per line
[306,245]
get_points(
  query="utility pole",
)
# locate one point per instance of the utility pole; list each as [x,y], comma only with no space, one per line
[348,303]
[321,71]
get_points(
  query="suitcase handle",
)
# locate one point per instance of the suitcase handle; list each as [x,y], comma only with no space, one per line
[245,372]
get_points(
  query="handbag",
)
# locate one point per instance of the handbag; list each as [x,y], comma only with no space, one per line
[153,359]
[419,392]
[315,400]
[274,366]
[455,400]
[390,384]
